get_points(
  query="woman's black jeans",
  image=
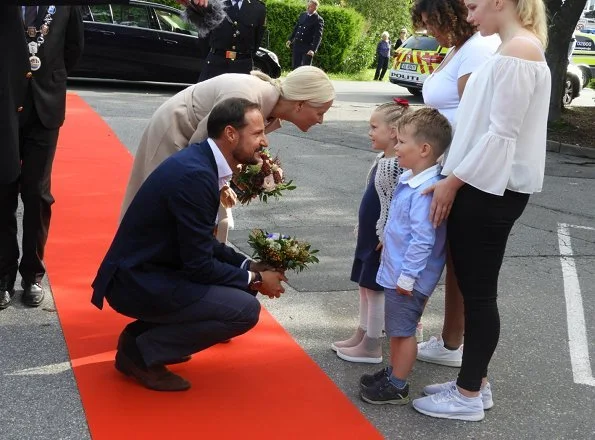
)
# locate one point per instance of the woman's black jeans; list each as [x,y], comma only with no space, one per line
[381,68]
[478,228]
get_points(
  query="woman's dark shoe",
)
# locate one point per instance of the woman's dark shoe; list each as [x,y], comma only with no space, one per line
[32,294]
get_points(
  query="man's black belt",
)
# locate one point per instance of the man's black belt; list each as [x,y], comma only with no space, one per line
[231,54]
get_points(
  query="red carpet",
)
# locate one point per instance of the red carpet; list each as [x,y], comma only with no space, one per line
[261,385]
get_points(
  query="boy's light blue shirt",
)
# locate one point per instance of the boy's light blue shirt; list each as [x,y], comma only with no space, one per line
[414,253]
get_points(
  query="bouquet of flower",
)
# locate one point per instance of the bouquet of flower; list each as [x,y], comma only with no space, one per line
[262,180]
[281,251]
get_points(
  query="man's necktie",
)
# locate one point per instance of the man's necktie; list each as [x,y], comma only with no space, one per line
[30,15]
[236,4]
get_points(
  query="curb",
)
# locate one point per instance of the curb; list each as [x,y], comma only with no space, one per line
[570,150]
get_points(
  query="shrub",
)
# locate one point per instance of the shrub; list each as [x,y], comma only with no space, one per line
[342,28]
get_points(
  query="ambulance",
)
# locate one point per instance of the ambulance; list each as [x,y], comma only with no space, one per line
[415,60]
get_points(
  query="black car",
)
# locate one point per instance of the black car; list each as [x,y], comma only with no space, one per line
[143,41]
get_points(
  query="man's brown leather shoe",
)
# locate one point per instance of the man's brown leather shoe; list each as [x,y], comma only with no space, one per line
[127,338]
[156,378]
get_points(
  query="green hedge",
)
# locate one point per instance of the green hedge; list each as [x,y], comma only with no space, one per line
[342,28]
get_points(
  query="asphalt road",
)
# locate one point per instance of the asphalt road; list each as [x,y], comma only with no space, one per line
[541,373]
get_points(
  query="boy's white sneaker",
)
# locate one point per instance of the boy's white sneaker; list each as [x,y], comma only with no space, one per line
[433,351]
[486,392]
[451,404]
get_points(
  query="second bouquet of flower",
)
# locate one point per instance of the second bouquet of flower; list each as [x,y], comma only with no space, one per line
[263,180]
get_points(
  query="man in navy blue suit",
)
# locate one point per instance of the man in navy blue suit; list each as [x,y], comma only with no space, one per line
[166,269]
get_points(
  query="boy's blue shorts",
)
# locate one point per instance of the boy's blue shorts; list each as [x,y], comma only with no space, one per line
[402,312]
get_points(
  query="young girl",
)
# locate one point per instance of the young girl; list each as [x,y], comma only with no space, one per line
[364,346]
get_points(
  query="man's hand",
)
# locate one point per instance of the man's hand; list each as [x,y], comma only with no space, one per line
[271,284]
[379,246]
[404,292]
[288,44]
[310,53]
[259,266]
[228,197]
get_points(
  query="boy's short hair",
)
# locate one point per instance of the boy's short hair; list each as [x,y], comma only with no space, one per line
[430,126]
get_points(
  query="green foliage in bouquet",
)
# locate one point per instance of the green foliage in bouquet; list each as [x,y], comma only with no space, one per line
[281,251]
[263,180]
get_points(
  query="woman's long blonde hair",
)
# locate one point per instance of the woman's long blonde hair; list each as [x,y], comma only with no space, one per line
[306,83]
[533,17]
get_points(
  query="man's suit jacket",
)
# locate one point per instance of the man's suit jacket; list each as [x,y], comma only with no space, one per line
[308,31]
[166,238]
[13,79]
[59,54]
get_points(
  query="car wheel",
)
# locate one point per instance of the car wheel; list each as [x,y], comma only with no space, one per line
[414,92]
[586,75]
[568,94]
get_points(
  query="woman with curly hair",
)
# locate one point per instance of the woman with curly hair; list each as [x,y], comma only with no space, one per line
[446,21]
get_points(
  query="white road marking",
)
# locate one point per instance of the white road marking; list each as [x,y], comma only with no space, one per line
[575,315]
[42,370]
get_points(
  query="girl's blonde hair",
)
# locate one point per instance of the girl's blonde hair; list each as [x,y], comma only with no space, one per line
[306,83]
[533,17]
[392,112]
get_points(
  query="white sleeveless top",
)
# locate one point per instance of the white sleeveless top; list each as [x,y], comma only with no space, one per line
[440,89]
[501,126]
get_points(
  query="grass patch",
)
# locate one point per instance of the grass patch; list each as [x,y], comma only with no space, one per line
[364,75]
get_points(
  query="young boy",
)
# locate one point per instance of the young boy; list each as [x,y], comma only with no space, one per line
[414,253]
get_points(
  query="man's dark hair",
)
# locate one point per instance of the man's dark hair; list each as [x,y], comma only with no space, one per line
[232,112]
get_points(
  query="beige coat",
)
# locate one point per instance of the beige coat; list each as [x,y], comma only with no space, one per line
[182,120]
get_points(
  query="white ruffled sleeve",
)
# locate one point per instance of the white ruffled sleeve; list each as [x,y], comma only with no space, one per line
[488,165]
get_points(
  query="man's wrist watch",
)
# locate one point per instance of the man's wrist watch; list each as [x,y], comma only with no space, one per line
[256,282]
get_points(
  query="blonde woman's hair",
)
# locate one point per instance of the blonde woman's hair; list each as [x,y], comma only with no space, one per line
[384,35]
[533,16]
[306,83]
[392,112]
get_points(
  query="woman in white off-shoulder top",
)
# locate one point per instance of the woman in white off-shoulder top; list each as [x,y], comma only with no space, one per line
[496,160]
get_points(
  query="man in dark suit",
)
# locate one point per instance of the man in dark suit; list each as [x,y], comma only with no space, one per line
[306,36]
[54,37]
[166,269]
[235,41]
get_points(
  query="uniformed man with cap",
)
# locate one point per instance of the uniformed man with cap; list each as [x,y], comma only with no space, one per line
[306,36]
[235,41]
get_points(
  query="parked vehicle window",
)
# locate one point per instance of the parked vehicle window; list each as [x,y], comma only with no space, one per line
[133,16]
[101,14]
[86,13]
[172,22]
[420,42]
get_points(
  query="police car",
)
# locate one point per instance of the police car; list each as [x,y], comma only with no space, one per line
[415,60]
[583,54]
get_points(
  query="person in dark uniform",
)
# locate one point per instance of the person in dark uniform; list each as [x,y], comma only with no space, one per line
[54,38]
[306,36]
[235,41]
